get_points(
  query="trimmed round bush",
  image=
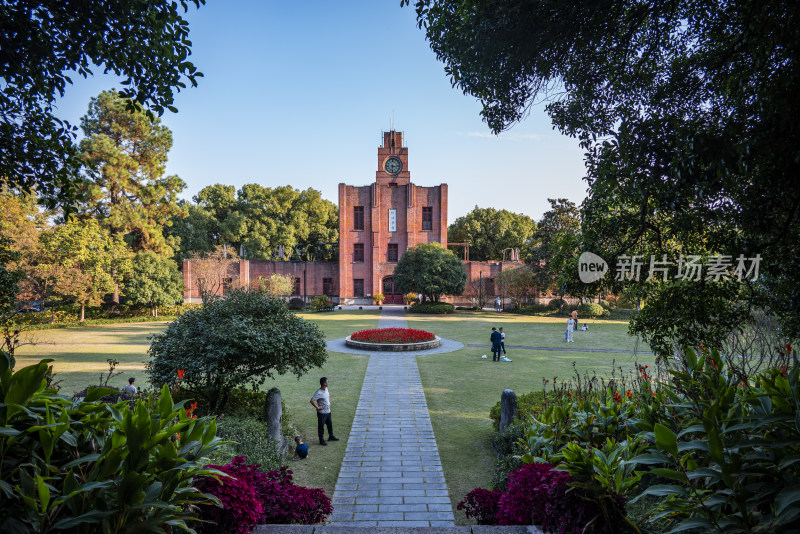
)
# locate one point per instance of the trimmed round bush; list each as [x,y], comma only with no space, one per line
[556,304]
[296,303]
[605,304]
[590,309]
[432,307]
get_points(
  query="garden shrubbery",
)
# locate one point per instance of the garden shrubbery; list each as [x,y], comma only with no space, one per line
[69,314]
[590,309]
[89,466]
[719,449]
[556,304]
[251,497]
[432,307]
[322,303]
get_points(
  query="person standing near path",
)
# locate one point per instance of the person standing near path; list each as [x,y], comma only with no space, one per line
[497,304]
[503,341]
[496,339]
[321,401]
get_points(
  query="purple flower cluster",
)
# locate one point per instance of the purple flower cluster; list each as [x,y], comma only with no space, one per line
[535,494]
[252,497]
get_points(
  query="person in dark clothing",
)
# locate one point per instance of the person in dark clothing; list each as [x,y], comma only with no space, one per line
[496,340]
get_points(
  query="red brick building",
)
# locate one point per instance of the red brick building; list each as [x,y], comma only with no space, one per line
[377,223]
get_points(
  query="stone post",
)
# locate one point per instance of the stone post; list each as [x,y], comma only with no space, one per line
[508,408]
[274,413]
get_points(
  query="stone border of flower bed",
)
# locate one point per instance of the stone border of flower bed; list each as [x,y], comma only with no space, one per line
[394,347]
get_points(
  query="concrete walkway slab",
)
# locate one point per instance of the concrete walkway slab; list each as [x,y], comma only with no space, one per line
[391,475]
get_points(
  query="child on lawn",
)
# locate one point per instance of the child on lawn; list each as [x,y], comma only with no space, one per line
[301,451]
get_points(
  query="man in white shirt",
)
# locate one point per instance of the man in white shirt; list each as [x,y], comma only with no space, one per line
[321,401]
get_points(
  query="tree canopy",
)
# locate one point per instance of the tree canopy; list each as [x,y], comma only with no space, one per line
[154,281]
[686,111]
[240,340]
[259,222]
[84,261]
[430,269]
[125,153]
[489,231]
[42,44]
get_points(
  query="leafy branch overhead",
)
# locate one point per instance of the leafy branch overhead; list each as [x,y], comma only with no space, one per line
[42,44]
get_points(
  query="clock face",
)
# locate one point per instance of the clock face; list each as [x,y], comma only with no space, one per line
[393,165]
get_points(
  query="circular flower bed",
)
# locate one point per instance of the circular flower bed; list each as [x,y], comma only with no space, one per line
[392,336]
[393,339]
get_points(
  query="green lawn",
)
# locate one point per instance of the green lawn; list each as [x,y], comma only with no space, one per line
[460,387]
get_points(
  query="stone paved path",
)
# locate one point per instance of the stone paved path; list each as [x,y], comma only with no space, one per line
[391,474]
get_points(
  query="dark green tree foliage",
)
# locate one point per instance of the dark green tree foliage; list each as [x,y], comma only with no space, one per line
[554,247]
[154,281]
[257,220]
[687,113]
[432,270]
[234,342]
[489,231]
[43,43]
[126,190]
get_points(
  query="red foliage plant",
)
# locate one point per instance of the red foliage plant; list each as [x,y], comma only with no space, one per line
[392,336]
[275,499]
[535,495]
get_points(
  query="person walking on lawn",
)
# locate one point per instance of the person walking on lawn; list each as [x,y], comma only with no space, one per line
[321,401]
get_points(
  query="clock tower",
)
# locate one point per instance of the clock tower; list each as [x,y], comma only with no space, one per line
[378,222]
[392,160]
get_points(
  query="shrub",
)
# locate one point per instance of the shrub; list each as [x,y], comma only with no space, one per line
[241,506]
[234,342]
[248,437]
[590,309]
[527,404]
[534,308]
[536,494]
[79,466]
[605,304]
[556,304]
[432,307]
[285,503]
[378,298]
[296,303]
[481,505]
[410,298]
[321,302]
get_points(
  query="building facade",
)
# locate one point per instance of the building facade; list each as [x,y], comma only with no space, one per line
[377,224]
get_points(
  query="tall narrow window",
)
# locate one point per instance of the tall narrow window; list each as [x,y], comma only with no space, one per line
[427,218]
[358,251]
[327,286]
[391,254]
[358,287]
[296,290]
[358,217]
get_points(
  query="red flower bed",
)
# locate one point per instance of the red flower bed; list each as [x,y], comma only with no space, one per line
[392,336]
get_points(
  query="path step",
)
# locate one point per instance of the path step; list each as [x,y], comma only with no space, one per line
[333,529]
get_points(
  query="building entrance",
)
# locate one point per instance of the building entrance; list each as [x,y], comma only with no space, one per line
[391,294]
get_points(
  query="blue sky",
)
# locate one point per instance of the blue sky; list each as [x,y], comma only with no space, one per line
[297,93]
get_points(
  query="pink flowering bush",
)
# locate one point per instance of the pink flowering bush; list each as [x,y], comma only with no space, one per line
[253,497]
[535,494]
[241,507]
[285,503]
[392,335]
[481,505]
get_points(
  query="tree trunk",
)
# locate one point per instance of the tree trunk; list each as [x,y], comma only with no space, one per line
[83,310]
[115,297]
